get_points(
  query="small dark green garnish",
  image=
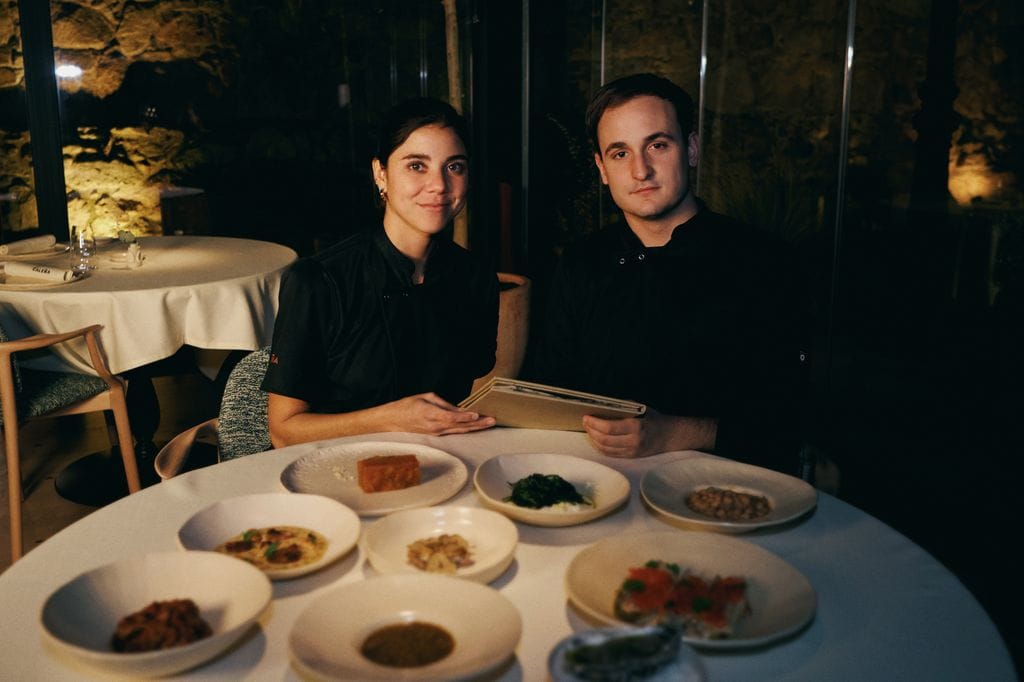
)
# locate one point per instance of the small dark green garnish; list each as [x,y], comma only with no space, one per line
[630,585]
[654,563]
[248,534]
[271,550]
[701,604]
[540,490]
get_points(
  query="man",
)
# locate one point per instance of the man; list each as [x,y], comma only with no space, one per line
[687,311]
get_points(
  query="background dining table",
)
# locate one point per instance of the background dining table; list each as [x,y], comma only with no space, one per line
[886,609]
[206,292]
[213,293]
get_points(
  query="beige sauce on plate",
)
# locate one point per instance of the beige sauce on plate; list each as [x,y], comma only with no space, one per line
[276,548]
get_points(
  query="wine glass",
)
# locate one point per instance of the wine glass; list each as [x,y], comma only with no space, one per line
[83,246]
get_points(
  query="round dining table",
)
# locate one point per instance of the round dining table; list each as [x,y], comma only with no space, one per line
[217,293]
[210,293]
[885,608]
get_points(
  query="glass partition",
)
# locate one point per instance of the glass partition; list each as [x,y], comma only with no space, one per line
[883,140]
[246,119]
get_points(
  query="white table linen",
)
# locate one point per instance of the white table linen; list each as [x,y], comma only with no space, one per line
[886,609]
[215,293]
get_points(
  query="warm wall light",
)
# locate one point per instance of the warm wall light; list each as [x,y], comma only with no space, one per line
[971,179]
[68,71]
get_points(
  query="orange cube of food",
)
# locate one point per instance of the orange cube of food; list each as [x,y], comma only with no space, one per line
[388,472]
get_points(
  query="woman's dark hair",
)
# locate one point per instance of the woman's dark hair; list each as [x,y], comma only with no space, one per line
[624,89]
[406,117]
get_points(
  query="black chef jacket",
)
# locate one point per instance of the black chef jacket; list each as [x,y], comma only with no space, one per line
[712,324]
[353,332]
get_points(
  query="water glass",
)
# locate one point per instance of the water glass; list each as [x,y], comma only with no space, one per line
[83,246]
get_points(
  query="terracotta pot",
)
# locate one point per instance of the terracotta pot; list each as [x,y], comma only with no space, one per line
[513,327]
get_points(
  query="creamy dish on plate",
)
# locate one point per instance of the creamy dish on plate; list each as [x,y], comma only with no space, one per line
[276,548]
[445,553]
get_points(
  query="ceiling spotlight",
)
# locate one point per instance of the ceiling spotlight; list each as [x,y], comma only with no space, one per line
[68,71]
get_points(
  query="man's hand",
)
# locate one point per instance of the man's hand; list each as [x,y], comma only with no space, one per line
[431,414]
[651,434]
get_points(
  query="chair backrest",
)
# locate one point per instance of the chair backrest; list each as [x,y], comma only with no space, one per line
[14,361]
[243,428]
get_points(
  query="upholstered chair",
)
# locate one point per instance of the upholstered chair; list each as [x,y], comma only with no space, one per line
[241,427]
[33,394]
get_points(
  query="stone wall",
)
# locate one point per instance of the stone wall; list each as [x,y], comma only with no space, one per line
[114,172]
[238,97]
[773,98]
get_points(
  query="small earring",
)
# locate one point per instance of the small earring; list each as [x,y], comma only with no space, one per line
[383,193]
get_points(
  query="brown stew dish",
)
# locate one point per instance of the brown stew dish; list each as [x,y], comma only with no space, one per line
[161,625]
[728,505]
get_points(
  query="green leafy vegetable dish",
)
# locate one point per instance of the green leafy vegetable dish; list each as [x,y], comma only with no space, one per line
[544,490]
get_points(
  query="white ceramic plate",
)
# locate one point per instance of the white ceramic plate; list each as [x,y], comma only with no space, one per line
[55,250]
[79,619]
[223,520]
[30,283]
[604,486]
[492,539]
[686,667]
[666,487]
[782,601]
[326,639]
[332,472]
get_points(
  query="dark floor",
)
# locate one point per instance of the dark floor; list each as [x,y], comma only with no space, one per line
[48,445]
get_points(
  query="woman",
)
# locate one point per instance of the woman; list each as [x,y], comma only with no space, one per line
[387,330]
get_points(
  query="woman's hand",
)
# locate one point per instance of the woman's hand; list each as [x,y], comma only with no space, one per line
[292,421]
[431,414]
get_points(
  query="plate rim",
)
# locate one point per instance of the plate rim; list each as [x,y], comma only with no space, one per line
[550,518]
[55,250]
[461,475]
[682,536]
[685,515]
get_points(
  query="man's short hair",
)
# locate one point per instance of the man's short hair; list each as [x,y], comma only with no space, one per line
[624,89]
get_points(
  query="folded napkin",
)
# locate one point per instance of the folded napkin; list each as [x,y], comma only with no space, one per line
[40,272]
[30,245]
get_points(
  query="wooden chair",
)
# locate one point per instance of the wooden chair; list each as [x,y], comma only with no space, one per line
[30,394]
[241,427]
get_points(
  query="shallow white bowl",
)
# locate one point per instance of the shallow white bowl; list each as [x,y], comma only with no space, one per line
[79,618]
[666,487]
[223,520]
[782,601]
[604,486]
[492,539]
[333,472]
[326,639]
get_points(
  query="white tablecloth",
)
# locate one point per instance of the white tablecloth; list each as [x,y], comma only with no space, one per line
[886,609]
[207,292]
